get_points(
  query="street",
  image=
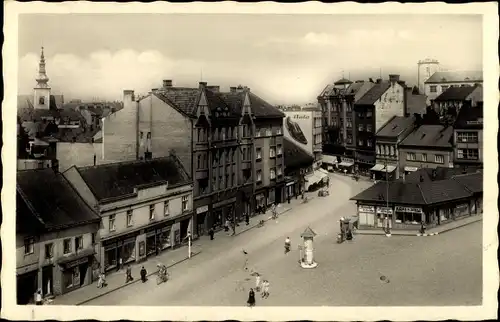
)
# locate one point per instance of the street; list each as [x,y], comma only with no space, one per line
[368,271]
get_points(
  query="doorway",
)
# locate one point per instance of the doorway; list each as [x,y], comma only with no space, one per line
[26,287]
[47,280]
[83,268]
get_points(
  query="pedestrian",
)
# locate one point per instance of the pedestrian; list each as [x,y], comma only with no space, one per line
[422,228]
[226,225]
[144,274]
[128,273]
[247,219]
[120,263]
[257,282]
[288,198]
[265,285]
[211,233]
[38,297]
[251,298]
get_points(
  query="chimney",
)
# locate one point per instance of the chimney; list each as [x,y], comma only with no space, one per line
[167,83]
[379,80]
[371,80]
[240,89]
[393,78]
[202,85]
[232,89]
[128,96]
[214,88]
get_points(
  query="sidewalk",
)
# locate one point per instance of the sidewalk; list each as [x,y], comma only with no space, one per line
[429,232]
[116,280]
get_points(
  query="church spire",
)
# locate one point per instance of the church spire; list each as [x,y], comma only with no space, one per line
[42,78]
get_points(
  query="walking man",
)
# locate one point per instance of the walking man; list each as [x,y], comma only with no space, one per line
[247,219]
[128,273]
[211,233]
[38,297]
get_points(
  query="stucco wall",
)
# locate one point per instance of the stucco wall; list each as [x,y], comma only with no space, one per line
[390,104]
[448,158]
[79,154]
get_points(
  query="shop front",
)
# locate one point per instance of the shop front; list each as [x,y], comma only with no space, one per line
[290,188]
[384,212]
[409,217]
[382,172]
[119,251]
[408,170]
[158,238]
[330,162]
[462,210]
[201,213]
[366,215]
[346,165]
[27,283]
[76,271]
[222,211]
[260,202]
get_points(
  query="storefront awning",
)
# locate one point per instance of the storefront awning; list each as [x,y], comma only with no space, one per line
[329,159]
[411,169]
[346,164]
[74,259]
[390,168]
[377,167]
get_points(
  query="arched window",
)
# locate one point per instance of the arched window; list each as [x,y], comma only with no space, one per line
[41,100]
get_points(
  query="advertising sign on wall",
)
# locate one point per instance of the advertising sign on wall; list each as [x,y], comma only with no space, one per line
[298,127]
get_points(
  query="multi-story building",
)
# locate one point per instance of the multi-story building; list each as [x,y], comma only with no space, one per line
[145,207]
[388,139]
[429,146]
[317,132]
[441,81]
[448,104]
[426,68]
[468,137]
[337,105]
[55,235]
[298,163]
[383,101]
[230,142]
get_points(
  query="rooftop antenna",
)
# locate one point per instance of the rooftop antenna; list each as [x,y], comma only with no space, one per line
[380,71]
[201,74]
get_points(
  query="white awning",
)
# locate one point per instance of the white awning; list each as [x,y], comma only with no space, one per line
[321,175]
[411,169]
[390,168]
[330,159]
[377,167]
[346,164]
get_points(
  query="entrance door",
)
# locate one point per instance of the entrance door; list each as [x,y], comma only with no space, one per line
[47,280]
[83,272]
[26,287]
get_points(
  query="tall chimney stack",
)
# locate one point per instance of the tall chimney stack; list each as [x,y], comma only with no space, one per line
[203,85]
[167,83]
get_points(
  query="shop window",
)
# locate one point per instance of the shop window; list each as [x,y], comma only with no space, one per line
[70,276]
[280,149]
[129,218]
[467,137]
[468,154]
[278,131]
[439,158]
[166,208]
[279,171]
[272,152]
[272,174]
[67,246]
[112,219]
[29,246]
[269,132]
[151,212]
[259,175]
[79,242]
[445,214]
[258,154]
[185,200]
[49,251]
[408,218]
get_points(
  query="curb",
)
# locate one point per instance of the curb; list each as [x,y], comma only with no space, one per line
[134,281]
[265,220]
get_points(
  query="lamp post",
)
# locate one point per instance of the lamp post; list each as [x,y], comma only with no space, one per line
[388,231]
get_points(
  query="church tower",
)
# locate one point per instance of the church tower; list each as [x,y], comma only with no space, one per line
[42,89]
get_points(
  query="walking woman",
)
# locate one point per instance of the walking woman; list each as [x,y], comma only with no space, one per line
[251,298]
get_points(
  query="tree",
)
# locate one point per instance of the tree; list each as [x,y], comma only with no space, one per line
[23,141]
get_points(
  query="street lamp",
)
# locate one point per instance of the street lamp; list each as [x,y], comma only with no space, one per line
[388,231]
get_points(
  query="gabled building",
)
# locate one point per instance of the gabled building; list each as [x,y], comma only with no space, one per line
[450,102]
[383,101]
[468,137]
[440,81]
[388,139]
[55,236]
[145,207]
[428,146]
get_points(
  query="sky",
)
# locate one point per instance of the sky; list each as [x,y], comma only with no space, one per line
[285,59]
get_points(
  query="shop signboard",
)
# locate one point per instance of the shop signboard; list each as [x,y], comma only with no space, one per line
[370,209]
[384,210]
[298,127]
[408,209]
[201,209]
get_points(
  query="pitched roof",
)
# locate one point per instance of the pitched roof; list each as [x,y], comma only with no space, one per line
[442,191]
[374,93]
[469,118]
[26,221]
[396,126]
[399,192]
[120,179]
[362,90]
[182,98]
[472,181]
[343,81]
[327,90]
[455,76]
[50,198]
[455,94]
[294,155]
[32,114]
[415,103]
[261,108]
[430,135]
[216,101]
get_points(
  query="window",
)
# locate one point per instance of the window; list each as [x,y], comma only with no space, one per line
[369,142]
[349,122]
[349,139]
[467,137]
[360,128]
[112,226]
[444,87]
[410,156]
[29,246]
[166,209]
[185,200]
[369,114]
[468,154]
[259,175]
[49,251]
[360,142]
[93,238]
[67,246]
[199,161]
[278,131]
[245,130]
[424,157]
[279,171]
[272,174]
[378,149]
[433,89]
[129,218]
[151,212]
[78,242]
[280,149]
[41,100]
[369,128]
[259,154]
[439,158]
[269,132]
[272,152]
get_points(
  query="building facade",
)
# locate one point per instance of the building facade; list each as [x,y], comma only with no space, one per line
[468,137]
[383,101]
[388,139]
[440,81]
[451,101]
[55,236]
[429,146]
[298,164]
[146,207]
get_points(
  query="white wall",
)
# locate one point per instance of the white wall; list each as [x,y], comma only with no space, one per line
[78,154]
[391,103]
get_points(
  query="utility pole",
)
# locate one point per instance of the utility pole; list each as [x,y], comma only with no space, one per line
[388,232]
